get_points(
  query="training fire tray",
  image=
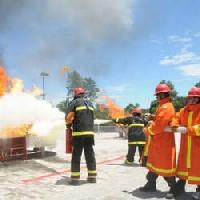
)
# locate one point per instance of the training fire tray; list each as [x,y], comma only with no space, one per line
[13,148]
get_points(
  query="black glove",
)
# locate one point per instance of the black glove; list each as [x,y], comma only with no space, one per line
[114,120]
[68,125]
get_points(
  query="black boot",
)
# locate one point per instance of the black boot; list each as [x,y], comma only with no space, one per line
[170,194]
[196,195]
[148,187]
[91,180]
[74,182]
[171,181]
[179,187]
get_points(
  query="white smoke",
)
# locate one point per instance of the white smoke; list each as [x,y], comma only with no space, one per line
[22,108]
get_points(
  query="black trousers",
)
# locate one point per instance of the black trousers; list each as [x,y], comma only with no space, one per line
[80,144]
[132,150]
[152,177]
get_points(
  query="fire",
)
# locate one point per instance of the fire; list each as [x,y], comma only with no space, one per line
[3,81]
[114,111]
[17,86]
[15,131]
[14,86]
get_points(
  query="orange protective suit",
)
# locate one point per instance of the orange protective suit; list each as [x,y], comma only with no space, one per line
[188,166]
[161,144]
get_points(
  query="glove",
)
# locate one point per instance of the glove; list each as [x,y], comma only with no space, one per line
[114,120]
[181,129]
[68,125]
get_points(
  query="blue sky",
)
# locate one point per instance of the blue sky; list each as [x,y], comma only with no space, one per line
[127,46]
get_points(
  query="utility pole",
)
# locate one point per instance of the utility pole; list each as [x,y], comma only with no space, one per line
[43,74]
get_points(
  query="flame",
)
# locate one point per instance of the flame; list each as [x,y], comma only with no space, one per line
[16,131]
[3,81]
[64,70]
[14,85]
[17,86]
[114,111]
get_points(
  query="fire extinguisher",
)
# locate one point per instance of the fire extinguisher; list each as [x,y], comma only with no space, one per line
[68,140]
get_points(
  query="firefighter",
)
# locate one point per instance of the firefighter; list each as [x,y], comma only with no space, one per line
[187,121]
[136,137]
[161,160]
[80,115]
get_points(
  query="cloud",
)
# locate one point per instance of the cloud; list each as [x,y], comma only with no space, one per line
[179,39]
[190,69]
[180,58]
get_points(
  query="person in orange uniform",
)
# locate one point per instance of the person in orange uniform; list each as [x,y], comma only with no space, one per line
[187,121]
[80,116]
[161,160]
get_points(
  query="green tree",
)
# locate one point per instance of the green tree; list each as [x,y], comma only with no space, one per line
[178,101]
[197,84]
[90,85]
[74,79]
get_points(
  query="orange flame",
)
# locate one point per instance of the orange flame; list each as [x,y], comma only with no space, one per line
[3,81]
[16,131]
[114,111]
[14,85]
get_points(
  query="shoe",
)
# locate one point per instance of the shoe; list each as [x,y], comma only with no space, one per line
[196,196]
[91,180]
[170,195]
[74,182]
[179,188]
[126,162]
[148,187]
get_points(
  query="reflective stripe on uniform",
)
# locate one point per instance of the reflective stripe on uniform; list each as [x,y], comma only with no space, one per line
[193,178]
[137,142]
[182,173]
[197,130]
[83,133]
[146,151]
[150,130]
[189,141]
[84,108]
[92,171]
[75,174]
[165,171]
[131,125]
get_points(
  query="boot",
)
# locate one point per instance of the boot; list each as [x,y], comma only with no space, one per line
[148,187]
[196,196]
[91,180]
[74,182]
[129,163]
[179,187]
[170,194]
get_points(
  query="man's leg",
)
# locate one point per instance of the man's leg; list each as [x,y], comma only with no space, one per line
[75,164]
[131,153]
[91,161]
[150,186]
[171,181]
[141,150]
